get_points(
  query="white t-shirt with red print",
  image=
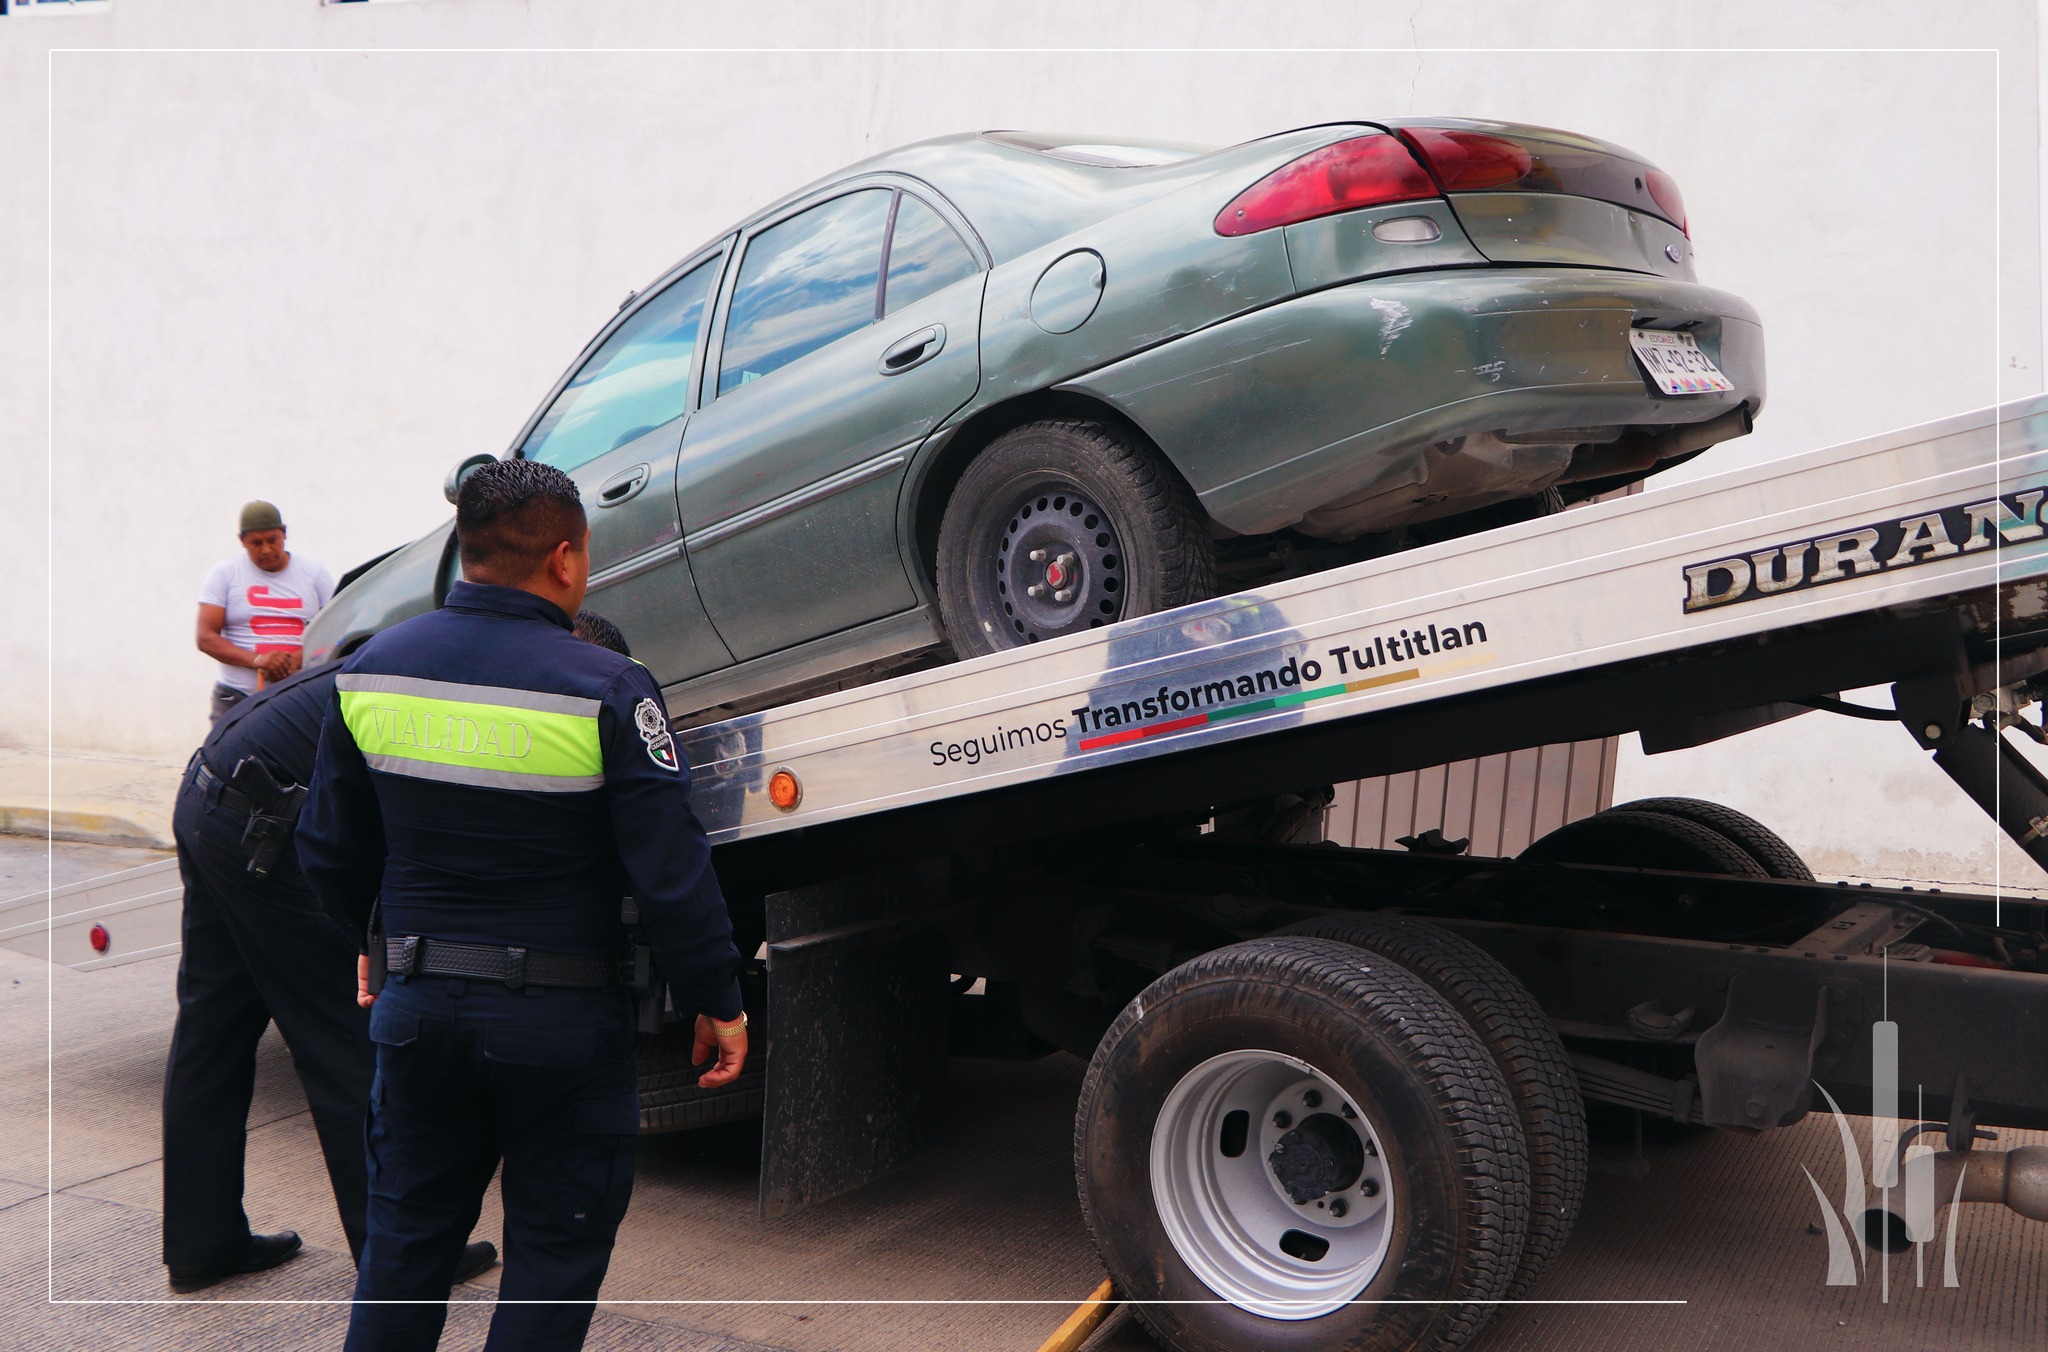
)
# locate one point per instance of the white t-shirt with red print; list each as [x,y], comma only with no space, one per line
[267,612]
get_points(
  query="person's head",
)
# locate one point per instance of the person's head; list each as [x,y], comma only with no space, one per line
[263,536]
[519,523]
[592,627]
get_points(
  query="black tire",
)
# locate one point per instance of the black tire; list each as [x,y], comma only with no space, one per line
[1751,836]
[1037,487]
[1527,1049]
[1449,1143]
[1630,839]
[669,1097]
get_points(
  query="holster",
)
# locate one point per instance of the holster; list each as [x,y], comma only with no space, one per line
[638,972]
[272,818]
[375,936]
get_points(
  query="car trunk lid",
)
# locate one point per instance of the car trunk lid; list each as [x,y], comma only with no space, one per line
[1535,195]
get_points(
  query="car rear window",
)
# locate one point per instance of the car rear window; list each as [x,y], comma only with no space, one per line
[925,255]
[633,384]
[805,282]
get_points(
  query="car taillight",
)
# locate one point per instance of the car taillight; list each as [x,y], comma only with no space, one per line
[1533,160]
[1664,191]
[1368,171]
[1467,161]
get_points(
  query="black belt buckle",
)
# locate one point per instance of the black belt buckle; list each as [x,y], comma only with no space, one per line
[515,968]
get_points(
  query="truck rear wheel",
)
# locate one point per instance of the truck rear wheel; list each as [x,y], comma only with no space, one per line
[1631,839]
[1289,1144]
[669,1097]
[1527,1049]
[1752,837]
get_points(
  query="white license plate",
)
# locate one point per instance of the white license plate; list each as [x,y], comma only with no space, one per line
[1676,363]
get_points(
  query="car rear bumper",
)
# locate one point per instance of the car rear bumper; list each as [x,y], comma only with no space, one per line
[1340,395]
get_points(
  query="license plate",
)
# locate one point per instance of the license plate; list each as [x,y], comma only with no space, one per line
[1676,363]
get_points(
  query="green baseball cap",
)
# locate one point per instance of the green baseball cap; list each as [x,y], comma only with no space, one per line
[260,515]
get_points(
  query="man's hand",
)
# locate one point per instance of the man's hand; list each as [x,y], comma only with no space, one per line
[363,996]
[726,1041]
[277,665]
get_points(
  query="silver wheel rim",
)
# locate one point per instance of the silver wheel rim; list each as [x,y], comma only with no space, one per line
[1281,1232]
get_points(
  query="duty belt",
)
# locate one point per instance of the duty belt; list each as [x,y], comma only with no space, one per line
[412,955]
[236,800]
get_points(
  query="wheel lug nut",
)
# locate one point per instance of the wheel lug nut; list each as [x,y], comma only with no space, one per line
[1038,556]
[1035,589]
[1065,560]
[1283,1119]
[1371,1187]
[1338,1206]
[1313,1099]
[1063,594]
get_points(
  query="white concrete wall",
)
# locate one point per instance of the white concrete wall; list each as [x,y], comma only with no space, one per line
[321,276]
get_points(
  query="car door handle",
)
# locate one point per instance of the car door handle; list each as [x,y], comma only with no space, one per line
[916,350]
[623,487]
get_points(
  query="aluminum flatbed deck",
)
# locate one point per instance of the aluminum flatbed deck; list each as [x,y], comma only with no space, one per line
[1858,564]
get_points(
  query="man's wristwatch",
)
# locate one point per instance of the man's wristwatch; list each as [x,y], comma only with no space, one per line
[723,1029]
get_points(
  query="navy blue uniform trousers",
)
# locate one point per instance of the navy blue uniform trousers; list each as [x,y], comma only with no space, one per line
[255,950]
[469,1074]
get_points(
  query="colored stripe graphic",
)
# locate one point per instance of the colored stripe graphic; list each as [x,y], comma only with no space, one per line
[1259,706]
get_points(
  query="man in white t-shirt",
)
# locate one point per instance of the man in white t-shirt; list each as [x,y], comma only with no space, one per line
[253,611]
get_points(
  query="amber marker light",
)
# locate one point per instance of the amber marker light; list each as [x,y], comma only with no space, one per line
[784,791]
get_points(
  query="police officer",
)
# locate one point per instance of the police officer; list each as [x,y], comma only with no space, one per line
[257,949]
[495,786]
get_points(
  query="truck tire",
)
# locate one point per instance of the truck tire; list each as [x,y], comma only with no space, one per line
[1119,531]
[1291,1144]
[1758,841]
[669,1097]
[1632,839]
[1527,1049]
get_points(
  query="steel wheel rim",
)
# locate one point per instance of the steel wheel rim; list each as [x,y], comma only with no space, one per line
[1230,1217]
[1078,551]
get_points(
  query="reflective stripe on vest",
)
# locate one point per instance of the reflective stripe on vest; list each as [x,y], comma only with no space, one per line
[486,736]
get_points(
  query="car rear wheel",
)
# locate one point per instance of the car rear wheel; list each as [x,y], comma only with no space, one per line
[1060,527]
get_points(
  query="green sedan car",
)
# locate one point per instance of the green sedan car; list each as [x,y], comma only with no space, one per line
[989,390]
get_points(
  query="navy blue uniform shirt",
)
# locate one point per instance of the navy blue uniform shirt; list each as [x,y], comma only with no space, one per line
[279,725]
[500,781]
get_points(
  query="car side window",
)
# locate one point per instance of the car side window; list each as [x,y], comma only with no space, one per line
[633,384]
[925,255]
[805,282]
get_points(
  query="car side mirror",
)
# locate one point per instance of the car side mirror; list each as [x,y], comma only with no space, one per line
[451,488]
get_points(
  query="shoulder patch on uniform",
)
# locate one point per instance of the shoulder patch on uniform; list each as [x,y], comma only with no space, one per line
[652,721]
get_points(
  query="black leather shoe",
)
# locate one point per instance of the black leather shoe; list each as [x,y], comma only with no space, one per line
[477,1258]
[264,1251]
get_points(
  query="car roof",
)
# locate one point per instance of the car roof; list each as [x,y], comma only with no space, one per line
[1023,189]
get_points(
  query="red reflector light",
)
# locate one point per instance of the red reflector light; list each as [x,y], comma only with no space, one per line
[1664,192]
[99,938]
[1368,171]
[1470,161]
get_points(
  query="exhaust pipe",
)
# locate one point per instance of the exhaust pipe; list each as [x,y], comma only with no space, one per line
[2018,1178]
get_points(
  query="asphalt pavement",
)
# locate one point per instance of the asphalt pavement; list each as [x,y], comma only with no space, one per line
[977,1246]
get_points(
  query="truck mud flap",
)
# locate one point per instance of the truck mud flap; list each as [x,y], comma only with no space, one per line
[858,994]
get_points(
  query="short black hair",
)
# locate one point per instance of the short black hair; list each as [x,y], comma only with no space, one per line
[592,627]
[510,514]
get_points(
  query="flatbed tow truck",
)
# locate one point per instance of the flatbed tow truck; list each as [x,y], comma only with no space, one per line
[1337,1097]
